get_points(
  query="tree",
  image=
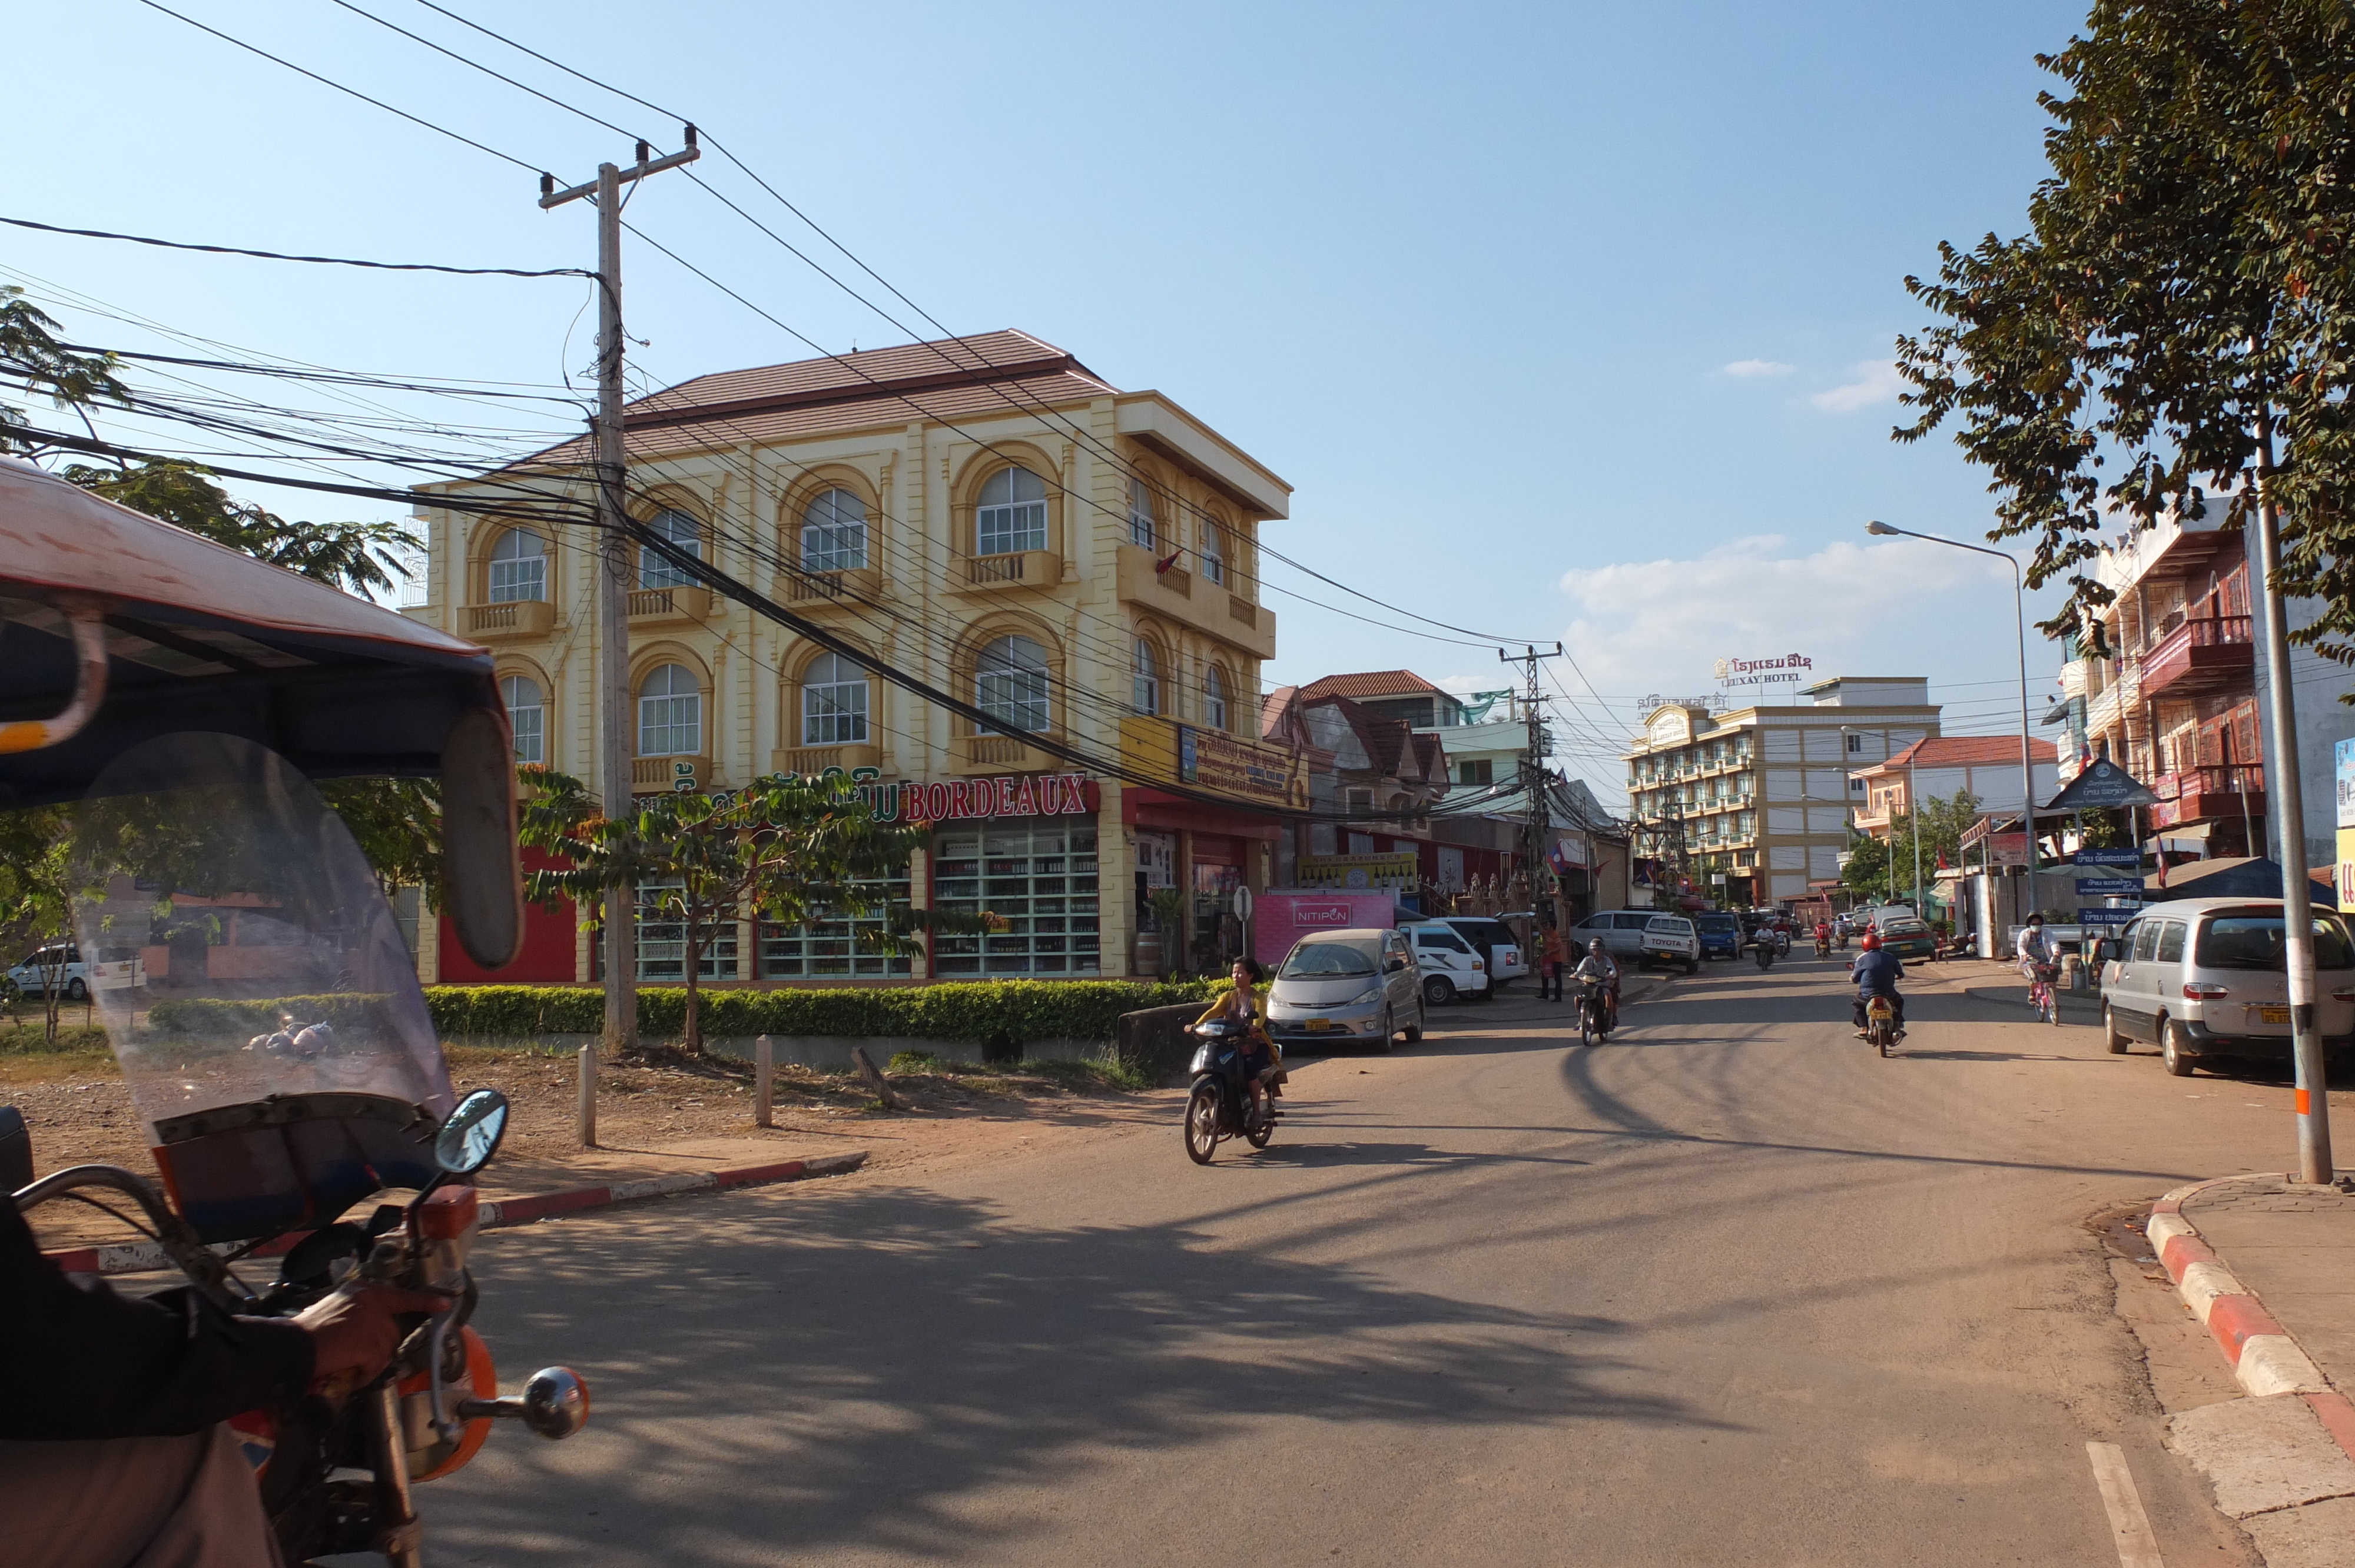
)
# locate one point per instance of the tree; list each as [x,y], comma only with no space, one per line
[1943,823]
[35,907]
[2185,295]
[31,355]
[785,849]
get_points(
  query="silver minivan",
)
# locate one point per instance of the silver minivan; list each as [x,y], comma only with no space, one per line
[1645,937]
[2205,977]
[1337,987]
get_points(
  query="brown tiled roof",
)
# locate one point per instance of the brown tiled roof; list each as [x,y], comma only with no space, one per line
[1369,683]
[1968,750]
[949,379]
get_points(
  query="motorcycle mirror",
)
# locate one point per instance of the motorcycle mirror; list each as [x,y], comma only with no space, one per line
[471,1136]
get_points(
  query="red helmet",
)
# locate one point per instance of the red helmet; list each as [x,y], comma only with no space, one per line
[1870,942]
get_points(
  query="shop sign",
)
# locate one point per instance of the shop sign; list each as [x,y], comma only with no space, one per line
[2106,917]
[973,799]
[1358,871]
[1214,762]
[2130,857]
[2109,887]
[2344,755]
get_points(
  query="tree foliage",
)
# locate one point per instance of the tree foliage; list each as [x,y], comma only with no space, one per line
[32,357]
[358,557]
[1944,821]
[2187,281]
[787,850]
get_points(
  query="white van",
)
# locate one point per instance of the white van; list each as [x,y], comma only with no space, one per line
[2204,978]
[1450,967]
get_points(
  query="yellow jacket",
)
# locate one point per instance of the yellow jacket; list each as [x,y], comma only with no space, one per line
[1221,1002]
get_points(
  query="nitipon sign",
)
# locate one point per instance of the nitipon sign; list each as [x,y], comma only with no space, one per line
[1787,671]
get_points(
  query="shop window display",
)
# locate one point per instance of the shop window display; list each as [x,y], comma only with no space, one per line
[826,948]
[1041,880]
[662,941]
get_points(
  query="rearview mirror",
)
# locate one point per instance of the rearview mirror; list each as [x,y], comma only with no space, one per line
[471,1136]
[1393,967]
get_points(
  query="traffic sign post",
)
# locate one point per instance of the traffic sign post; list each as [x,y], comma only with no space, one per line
[2106,917]
[2109,857]
[2109,887]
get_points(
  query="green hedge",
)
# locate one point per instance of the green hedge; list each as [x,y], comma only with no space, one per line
[212,1017]
[994,1012]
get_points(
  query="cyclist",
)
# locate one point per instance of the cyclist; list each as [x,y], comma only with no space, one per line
[1876,973]
[2038,960]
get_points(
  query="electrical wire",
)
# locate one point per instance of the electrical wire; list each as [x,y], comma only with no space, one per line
[322,260]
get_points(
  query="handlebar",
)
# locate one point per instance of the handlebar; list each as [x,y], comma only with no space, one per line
[204,1267]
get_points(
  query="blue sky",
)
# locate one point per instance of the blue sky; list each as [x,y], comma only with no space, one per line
[1564,321]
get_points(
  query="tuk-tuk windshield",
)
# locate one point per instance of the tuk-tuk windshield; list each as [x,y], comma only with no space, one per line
[271,962]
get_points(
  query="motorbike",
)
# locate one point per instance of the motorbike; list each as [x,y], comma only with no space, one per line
[1594,1013]
[1764,951]
[1880,1022]
[1220,1103]
[336,1145]
[1823,947]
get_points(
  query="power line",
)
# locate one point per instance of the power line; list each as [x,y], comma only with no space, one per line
[322,260]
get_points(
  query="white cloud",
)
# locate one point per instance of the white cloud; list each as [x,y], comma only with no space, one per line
[1854,607]
[1875,381]
[1746,370]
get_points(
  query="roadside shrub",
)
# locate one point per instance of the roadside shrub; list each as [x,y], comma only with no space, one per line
[1000,1014]
[216,1018]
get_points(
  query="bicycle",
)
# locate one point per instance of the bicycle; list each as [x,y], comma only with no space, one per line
[2041,994]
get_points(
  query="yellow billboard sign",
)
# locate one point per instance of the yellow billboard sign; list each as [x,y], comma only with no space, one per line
[1213,762]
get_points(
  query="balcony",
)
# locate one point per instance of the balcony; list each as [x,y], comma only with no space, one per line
[998,753]
[1178,594]
[671,774]
[2209,794]
[510,620]
[810,760]
[1015,571]
[855,588]
[2206,653]
[670,607]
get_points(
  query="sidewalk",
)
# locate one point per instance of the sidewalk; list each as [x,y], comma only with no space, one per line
[2293,1247]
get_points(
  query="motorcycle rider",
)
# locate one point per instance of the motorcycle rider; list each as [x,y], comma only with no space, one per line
[1262,1058]
[1876,973]
[1823,939]
[113,1447]
[1596,968]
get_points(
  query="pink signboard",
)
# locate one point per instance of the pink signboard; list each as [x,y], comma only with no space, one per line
[1280,918]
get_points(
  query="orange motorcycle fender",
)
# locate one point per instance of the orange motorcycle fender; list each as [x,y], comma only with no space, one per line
[436,1458]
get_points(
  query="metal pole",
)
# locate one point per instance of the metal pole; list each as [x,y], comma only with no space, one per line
[2026,758]
[1914,810]
[2287,800]
[764,1082]
[585,1113]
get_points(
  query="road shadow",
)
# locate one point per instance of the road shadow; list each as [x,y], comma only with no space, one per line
[846,1372]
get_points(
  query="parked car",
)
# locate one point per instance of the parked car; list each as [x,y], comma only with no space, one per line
[1449,966]
[1495,941]
[1641,937]
[1721,935]
[1908,939]
[2206,978]
[59,962]
[1353,984]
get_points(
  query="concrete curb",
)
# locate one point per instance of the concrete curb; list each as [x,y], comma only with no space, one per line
[2266,1360]
[139,1258]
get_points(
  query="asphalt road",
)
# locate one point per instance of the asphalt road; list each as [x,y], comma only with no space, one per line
[1727,1289]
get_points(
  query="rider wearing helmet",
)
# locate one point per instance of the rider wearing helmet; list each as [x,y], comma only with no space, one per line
[1596,968]
[1876,972]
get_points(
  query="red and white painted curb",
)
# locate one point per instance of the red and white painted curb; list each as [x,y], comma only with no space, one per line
[138,1257]
[2265,1359]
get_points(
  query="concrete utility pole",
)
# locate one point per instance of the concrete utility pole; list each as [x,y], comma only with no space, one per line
[1533,774]
[2288,799]
[611,459]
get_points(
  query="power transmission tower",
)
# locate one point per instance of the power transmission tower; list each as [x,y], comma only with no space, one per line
[1534,780]
[613,780]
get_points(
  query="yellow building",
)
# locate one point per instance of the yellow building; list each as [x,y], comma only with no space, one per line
[984,512]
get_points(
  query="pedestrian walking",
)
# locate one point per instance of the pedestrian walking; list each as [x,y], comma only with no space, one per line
[1557,959]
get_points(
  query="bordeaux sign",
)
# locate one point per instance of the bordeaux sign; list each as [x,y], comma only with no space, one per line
[975,799]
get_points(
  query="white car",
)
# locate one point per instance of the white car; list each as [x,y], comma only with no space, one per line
[1506,960]
[1643,936]
[60,963]
[1450,967]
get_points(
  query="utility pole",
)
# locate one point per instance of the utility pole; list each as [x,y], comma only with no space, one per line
[611,459]
[1534,782]
[2286,796]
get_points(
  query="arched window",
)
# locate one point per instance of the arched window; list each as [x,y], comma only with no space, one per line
[1146,694]
[657,571]
[518,566]
[1144,528]
[527,716]
[1013,512]
[1010,685]
[833,532]
[834,702]
[1214,698]
[670,713]
[1214,551]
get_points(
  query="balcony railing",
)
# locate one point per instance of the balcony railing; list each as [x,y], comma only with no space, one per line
[2203,652]
[510,618]
[2207,793]
[683,775]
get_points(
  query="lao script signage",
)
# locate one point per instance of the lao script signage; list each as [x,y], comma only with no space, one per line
[1213,762]
[1788,670]
[1357,871]
[2109,887]
[2103,786]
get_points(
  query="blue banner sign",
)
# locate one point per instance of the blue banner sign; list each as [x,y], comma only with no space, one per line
[2106,917]
[2109,857]
[2109,887]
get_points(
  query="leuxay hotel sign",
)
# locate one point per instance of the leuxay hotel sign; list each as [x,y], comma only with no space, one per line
[1788,670]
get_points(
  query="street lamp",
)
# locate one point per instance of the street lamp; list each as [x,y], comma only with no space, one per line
[2019,622]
